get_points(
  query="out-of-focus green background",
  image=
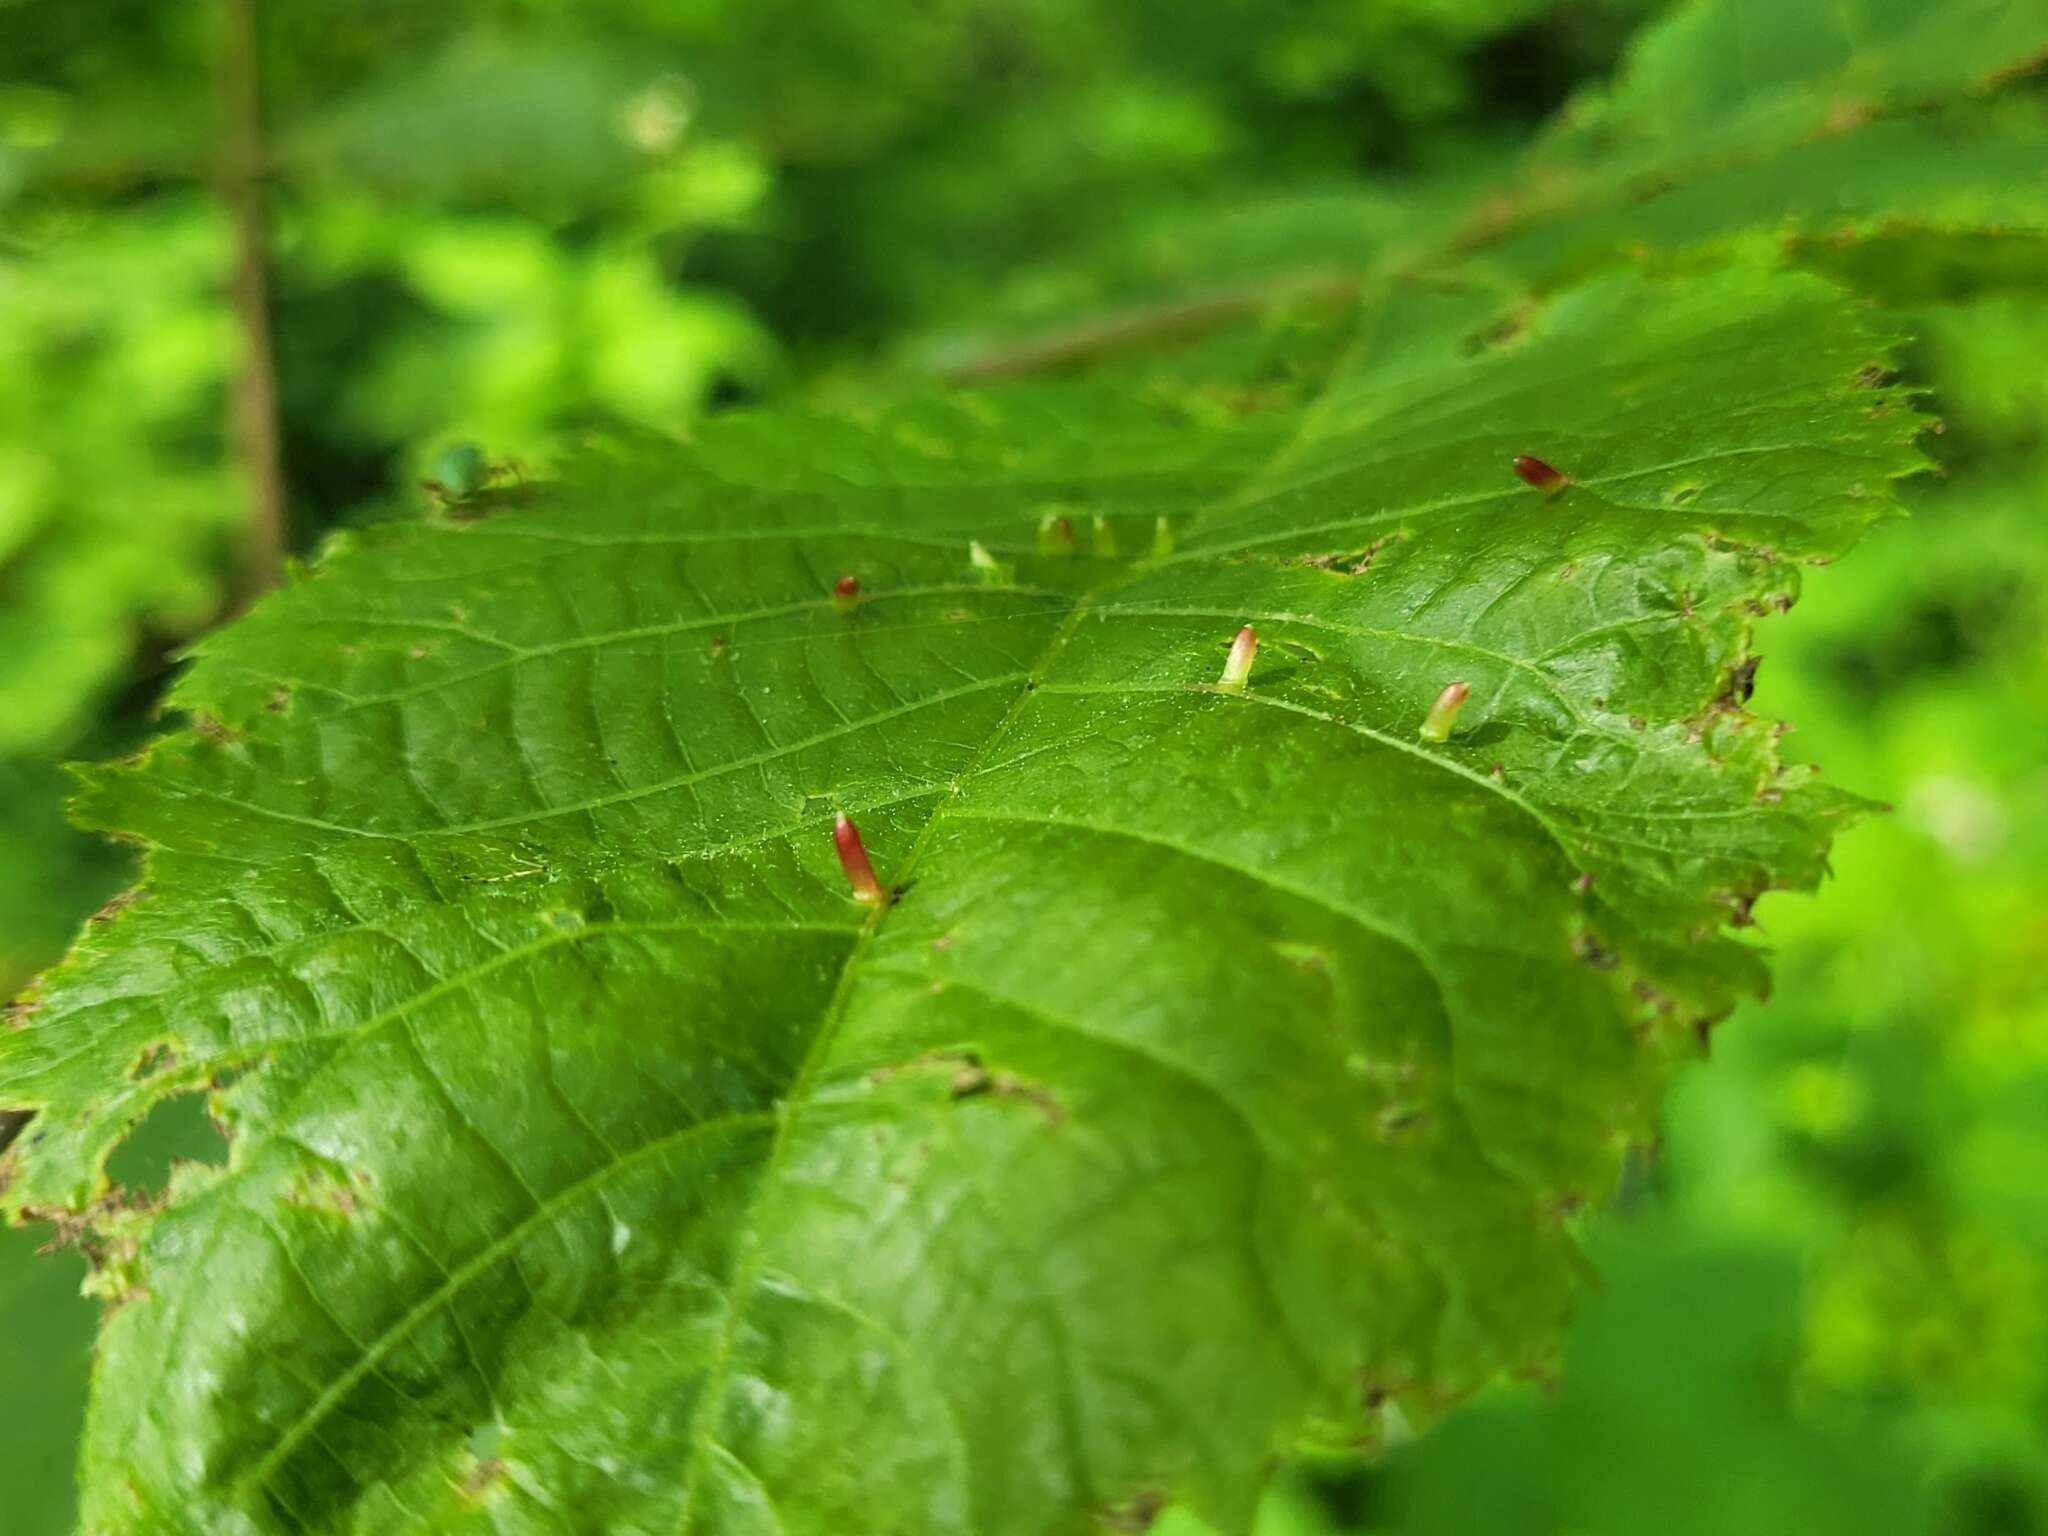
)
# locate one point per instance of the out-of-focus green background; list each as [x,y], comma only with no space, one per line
[517,221]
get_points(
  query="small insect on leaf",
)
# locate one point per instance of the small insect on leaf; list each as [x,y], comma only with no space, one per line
[853,858]
[1545,477]
[1237,668]
[1443,714]
[846,594]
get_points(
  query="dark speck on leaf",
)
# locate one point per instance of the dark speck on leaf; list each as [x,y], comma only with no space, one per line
[1593,952]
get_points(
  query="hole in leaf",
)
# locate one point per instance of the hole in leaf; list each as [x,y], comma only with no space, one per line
[177,1130]
[12,1123]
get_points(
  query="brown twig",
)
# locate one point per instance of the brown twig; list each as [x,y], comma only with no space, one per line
[1135,329]
[255,391]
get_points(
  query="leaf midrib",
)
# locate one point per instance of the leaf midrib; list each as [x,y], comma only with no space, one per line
[746,1272]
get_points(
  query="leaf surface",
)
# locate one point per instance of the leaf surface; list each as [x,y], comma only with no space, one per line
[1226,1069]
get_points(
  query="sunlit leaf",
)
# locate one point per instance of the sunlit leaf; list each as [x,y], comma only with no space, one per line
[1225,1070]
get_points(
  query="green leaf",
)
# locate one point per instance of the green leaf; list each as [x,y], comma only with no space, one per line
[1812,124]
[114,358]
[1720,79]
[1224,1073]
[48,1335]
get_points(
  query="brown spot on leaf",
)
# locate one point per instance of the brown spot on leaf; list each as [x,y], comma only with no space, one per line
[320,1193]
[1593,952]
[1352,562]
[1137,1513]
[1647,993]
[116,904]
[947,1058]
[481,1477]
[1402,1118]
[1845,117]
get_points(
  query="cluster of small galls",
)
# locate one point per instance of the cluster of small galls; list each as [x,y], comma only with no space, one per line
[1237,671]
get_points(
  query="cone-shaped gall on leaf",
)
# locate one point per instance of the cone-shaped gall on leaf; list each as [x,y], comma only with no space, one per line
[987,566]
[1237,669]
[846,594]
[1443,714]
[1105,539]
[1055,535]
[1546,478]
[853,858]
[1162,537]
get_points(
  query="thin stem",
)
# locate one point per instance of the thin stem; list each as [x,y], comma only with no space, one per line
[254,417]
[1135,329]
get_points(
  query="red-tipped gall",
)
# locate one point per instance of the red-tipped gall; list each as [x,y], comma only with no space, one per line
[1237,669]
[1443,714]
[853,858]
[1055,534]
[846,594]
[1546,478]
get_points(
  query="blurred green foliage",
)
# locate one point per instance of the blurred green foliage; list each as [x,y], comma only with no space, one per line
[516,222]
